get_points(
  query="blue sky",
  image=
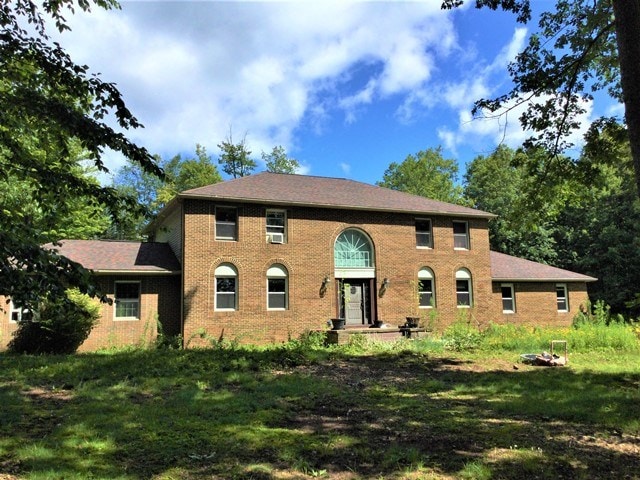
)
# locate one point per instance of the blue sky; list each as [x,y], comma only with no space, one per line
[346,87]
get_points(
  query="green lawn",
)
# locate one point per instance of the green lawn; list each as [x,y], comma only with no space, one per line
[299,413]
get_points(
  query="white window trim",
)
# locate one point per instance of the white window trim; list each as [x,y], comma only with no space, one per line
[467,236]
[513,297]
[216,223]
[566,297]
[225,270]
[116,318]
[464,274]
[274,272]
[425,247]
[426,273]
[14,308]
[284,227]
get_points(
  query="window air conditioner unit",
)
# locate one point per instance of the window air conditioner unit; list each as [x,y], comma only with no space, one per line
[276,238]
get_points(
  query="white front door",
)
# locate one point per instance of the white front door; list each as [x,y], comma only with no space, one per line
[353,304]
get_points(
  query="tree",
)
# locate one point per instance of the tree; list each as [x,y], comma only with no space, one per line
[278,162]
[495,183]
[583,46]
[235,158]
[185,174]
[427,174]
[47,104]
[153,193]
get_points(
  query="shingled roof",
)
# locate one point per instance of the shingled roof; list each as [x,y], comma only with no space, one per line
[507,268]
[325,192]
[110,256]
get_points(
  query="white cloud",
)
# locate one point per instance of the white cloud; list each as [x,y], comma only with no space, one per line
[190,71]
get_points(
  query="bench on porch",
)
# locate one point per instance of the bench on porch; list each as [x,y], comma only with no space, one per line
[341,337]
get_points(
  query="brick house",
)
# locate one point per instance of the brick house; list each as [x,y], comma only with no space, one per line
[265,257]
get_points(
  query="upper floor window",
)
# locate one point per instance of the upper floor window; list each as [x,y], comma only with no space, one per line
[508,298]
[226,287]
[461,235]
[127,301]
[226,223]
[424,237]
[353,249]
[464,293]
[276,226]
[562,298]
[425,288]
[277,288]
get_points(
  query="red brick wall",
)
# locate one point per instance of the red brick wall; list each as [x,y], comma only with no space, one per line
[159,299]
[536,303]
[308,256]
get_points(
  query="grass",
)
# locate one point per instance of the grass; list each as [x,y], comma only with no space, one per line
[406,410]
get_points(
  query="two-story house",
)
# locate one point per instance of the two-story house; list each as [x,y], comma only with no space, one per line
[265,257]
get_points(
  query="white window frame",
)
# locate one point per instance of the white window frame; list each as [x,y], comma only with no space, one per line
[222,238]
[464,275]
[131,301]
[511,298]
[428,234]
[426,273]
[277,228]
[278,272]
[225,271]
[18,310]
[467,240]
[564,297]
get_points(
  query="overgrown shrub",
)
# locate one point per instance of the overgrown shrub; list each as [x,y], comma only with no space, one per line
[461,336]
[58,327]
[598,314]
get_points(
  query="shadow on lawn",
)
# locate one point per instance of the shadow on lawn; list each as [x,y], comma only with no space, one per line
[248,414]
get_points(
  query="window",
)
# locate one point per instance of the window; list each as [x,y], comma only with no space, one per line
[353,250]
[461,235]
[276,226]
[277,288]
[562,298]
[425,288]
[424,239]
[226,223]
[508,298]
[226,285]
[464,296]
[127,300]
[17,314]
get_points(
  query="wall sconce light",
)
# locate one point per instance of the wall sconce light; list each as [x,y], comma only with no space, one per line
[383,287]
[324,285]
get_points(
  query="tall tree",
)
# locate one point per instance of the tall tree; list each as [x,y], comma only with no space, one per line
[154,193]
[495,183]
[235,157]
[278,162]
[47,102]
[428,174]
[582,46]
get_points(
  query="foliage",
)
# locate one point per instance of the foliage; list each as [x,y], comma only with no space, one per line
[428,174]
[153,193]
[582,47]
[235,157]
[462,336]
[278,162]
[58,326]
[47,104]
[497,183]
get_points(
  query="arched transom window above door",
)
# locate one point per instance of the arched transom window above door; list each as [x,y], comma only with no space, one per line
[353,249]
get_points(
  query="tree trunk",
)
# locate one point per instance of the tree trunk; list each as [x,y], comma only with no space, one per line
[627,15]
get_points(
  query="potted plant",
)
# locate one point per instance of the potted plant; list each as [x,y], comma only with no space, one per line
[337,323]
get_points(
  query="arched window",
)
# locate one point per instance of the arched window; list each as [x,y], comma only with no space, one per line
[426,295]
[353,250]
[226,287]
[277,287]
[464,292]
